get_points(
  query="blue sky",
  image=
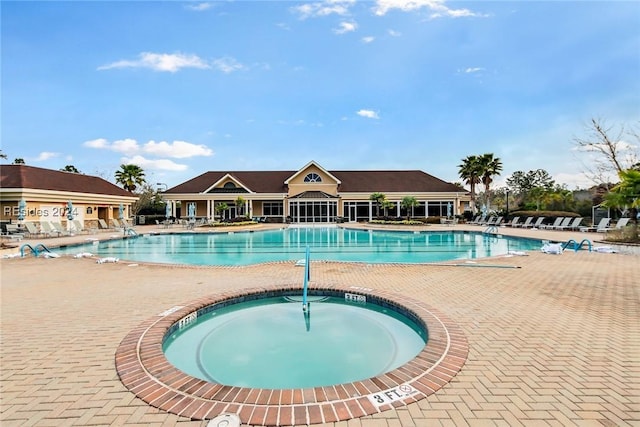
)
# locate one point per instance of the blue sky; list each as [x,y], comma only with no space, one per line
[181,88]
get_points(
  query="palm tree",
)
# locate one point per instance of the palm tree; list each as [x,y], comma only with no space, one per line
[409,202]
[379,198]
[130,176]
[239,205]
[221,208]
[469,170]
[489,167]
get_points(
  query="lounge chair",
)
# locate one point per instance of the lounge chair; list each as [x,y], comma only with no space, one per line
[14,232]
[622,223]
[32,229]
[59,228]
[556,223]
[498,221]
[525,224]
[116,223]
[573,225]
[600,228]
[564,223]
[50,230]
[514,222]
[103,225]
[78,227]
[538,223]
[491,221]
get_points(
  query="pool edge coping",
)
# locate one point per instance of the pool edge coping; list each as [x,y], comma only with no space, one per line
[144,370]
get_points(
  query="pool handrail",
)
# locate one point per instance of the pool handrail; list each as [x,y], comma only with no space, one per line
[305,305]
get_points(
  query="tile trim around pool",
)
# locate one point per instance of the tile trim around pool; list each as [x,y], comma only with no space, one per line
[145,371]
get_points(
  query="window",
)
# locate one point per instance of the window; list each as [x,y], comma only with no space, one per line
[229,185]
[312,177]
[272,208]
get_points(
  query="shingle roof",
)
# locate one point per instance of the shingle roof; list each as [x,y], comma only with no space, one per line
[389,181]
[31,177]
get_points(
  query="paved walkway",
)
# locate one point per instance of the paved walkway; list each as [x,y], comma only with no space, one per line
[555,341]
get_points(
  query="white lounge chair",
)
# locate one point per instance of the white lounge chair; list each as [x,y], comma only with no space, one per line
[48,228]
[103,225]
[32,229]
[600,228]
[525,224]
[556,223]
[573,225]
[78,227]
[564,223]
[514,222]
[538,222]
[622,223]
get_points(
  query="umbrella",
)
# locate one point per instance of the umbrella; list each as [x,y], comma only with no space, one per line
[121,209]
[167,210]
[22,209]
[69,210]
[192,210]
[449,209]
[484,210]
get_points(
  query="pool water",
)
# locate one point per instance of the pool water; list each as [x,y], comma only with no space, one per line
[269,343]
[331,244]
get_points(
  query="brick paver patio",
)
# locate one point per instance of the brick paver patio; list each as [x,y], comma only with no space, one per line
[555,341]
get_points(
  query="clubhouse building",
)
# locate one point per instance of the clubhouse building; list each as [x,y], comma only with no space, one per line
[313,194]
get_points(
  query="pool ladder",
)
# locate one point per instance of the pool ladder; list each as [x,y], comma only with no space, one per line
[34,249]
[492,229]
[576,246]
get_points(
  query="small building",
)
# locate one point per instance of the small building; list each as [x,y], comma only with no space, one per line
[313,194]
[47,195]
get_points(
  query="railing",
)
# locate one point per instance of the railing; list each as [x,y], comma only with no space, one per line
[34,249]
[491,229]
[305,304]
[576,246]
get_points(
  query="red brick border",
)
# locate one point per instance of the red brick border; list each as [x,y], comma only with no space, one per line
[145,371]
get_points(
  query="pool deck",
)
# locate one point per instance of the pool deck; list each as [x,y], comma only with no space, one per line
[553,339]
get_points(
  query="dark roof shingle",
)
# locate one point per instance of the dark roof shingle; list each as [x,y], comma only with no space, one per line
[23,176]
[389,181]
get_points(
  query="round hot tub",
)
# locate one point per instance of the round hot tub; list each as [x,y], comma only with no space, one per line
[243,354]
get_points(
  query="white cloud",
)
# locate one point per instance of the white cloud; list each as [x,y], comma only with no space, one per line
[369,114]
[473,70]
[346,27]
[227,64]
[438,8]
[394,33]
[368,39]
[177,149]
[96,143]
[198,7]
[131,147]
[45,155]
[325,8]
[160,164]
[160,62]
[126,146]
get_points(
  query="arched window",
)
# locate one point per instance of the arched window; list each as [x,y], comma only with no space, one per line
[312,177]
[229,185]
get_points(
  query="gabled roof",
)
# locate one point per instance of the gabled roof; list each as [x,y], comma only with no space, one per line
[389,181]
[31,177]
[306,167]
[255,181]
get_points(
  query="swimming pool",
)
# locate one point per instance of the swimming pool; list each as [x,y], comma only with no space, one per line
[288,244]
